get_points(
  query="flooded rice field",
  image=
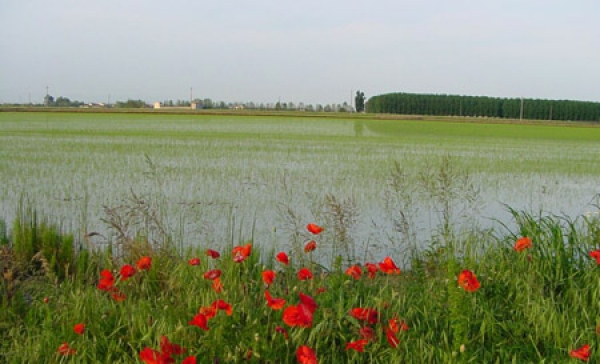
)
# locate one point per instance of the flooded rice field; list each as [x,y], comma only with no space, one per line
[218,180]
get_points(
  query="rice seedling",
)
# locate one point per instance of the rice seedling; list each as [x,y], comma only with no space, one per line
[213,171]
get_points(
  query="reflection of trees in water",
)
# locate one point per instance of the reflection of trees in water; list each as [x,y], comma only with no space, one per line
[358,128]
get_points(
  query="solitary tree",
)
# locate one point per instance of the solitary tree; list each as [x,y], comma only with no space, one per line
[359,101]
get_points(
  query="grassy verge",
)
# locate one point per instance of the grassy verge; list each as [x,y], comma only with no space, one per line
[535,301]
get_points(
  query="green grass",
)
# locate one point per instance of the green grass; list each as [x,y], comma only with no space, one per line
[533,306]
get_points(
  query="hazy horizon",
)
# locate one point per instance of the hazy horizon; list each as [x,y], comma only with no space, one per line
[311,52]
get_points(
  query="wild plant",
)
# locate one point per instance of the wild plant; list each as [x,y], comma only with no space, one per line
[451,193]
[341,216]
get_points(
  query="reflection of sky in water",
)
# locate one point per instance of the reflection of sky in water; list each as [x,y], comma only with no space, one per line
[221,189]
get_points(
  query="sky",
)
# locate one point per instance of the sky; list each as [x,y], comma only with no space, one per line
[311,51]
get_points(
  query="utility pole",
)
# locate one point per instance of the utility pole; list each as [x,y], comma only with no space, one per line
[191,96]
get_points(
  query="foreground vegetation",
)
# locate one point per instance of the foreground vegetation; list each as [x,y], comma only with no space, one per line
[529,295]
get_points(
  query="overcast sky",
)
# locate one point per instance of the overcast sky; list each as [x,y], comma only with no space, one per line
[312,51]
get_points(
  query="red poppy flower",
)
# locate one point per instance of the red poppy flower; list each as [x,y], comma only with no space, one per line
[107,280]
[212,253]
[365,314]
[127,271]
[582,353]
[189,360]
[168,348]
[65,350]
[212,274]
[313,228]
[151,356]
[200,320]
[241,253]
[354,271]
[118,295]
[388,266]
[144,263]
[304,274]
[396,325]
[209,312]
[596,255]
[222,305]
[320,290]
[310,246]
[290,316]
[79,328]
[522,244]
[372,269]
[217,286]
[194,261]
[283,331]
[299,315]
[392,338]
[358,345]
[268,277]
[468,281]
[306,355]
[367,333]
[308,301]
[274,303]
[282,258]
[404,326]
[46,299]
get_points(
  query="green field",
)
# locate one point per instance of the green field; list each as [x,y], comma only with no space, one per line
[223,175]
[82,193]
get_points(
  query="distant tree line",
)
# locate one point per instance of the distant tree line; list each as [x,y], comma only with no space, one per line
[61,102]
[278,106]
[206,103]
[513,108]
[131,104]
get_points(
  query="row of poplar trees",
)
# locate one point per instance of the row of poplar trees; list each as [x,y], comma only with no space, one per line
[482,106]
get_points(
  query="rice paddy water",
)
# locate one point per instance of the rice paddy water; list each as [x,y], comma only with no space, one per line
[216,180]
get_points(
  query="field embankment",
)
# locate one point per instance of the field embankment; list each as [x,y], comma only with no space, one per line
[305,114]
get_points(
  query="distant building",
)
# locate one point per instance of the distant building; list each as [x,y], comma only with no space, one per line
[48,100]
[93,105]
[157,105]
[197,105]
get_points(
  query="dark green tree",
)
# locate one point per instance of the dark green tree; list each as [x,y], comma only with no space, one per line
[131,104]
[359,101]
[63,102]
